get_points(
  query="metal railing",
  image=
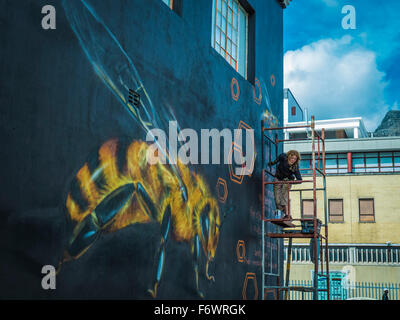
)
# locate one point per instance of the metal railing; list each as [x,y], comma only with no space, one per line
[379,255]
[354,291]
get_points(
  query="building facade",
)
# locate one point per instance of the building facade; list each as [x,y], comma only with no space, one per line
[362,205]
[78,99]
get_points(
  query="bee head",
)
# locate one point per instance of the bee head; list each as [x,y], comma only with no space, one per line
[202,207]
[208,226]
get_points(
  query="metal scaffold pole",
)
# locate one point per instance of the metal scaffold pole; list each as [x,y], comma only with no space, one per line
[310,227]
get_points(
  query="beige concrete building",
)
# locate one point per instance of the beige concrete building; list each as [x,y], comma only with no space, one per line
[363,209]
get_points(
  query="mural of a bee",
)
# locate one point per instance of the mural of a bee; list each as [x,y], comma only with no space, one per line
[109,194]
[117,187]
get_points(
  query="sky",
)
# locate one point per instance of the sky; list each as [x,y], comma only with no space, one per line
[336,72]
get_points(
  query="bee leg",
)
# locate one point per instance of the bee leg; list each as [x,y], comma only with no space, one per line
[84,234]
[88,230]
[160,255]
[196,255]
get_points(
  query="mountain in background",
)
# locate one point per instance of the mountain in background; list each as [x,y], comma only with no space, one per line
[390,125]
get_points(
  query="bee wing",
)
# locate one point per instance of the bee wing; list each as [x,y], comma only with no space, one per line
[114,67]
[268,112]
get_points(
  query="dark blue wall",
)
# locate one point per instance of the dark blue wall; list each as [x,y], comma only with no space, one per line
[55,110]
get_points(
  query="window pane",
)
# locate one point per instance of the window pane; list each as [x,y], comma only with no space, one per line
[331,163]
[358,163]
[230,16]
[330,155]
[366,206]
[331,171]
[386,154]
[366,218]
[358,155]
[336,210]
[336,207]
[386,162]
[366,210]
[242,48]
[229,31]
[223,40]
[305,164]
[308,208]
[397,161]
[371,162]
[371,155]
[342,163]
[235,6]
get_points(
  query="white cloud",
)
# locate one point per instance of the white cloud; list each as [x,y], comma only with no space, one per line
[336,78]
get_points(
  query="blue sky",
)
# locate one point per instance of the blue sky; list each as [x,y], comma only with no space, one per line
[336,72]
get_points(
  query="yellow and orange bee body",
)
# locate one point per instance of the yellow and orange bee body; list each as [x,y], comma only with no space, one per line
[117,187]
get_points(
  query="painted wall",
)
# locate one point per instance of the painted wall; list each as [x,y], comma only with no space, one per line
[57,116]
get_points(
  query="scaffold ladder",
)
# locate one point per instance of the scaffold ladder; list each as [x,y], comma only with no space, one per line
[287,229]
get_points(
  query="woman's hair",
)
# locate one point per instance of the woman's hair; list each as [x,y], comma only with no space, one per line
[294,153]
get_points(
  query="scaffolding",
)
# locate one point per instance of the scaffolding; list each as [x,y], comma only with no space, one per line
[286,228]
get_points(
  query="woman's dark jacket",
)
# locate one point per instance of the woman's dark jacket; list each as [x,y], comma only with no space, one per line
[283,170]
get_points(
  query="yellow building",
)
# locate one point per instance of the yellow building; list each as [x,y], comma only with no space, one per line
[363,210]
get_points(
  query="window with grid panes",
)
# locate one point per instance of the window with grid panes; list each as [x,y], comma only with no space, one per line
[305,164]
[229,33]
[336,163]
[376,161]
[366,209]
[335,210]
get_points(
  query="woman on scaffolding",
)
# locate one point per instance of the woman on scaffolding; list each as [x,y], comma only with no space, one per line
[286,170]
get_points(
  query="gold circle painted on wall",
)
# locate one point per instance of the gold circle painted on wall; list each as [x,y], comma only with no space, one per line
[222,183]
[234,83]
[273,80]
[241,251]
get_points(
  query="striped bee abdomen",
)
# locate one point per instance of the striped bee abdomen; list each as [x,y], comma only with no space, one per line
[102,173]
